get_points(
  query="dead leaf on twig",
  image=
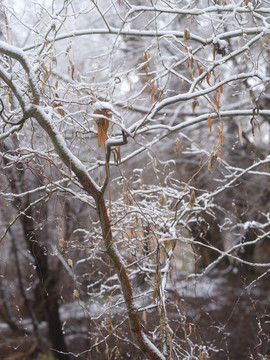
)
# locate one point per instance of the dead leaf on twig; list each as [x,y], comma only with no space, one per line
[213,159]
[192,200]
[103,124]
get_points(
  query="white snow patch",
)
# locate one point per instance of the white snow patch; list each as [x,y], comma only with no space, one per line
[203,287]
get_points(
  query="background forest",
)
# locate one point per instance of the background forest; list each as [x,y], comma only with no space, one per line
[135,192]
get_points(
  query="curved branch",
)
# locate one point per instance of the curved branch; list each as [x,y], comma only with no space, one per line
[20,56]
[4,75]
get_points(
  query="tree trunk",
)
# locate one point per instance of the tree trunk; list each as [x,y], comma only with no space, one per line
[49,294]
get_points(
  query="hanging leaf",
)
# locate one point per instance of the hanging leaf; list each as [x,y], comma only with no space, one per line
[47,73]
[192,200]
[190,60]
[8,101]
[160,96]
[147,59]
[250,100]
[117,353]
[234,207]
[9,34]
[186,36]
[148,83]
[70,262]
[117,155]
[127,198]
[200,69]
[217,99]
[210,123]
[61,112]
[109,324]
[61,242]
[162,200]
[58,106]
[72,68]
[220,135]
[216,76]
[240,132]
[212,160]
[178,147]
[144,316]
[76,294]
[214,52]
[103,124]
[153,93]
[195,103]
[257,102]
[208,78]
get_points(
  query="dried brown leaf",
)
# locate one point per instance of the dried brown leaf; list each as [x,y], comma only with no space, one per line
[144,316]
[240,132]
[200,69]
[250,100]
[208,79]
[192,200]
[148,84]
[147,59]
[217,99]
[117,155]
[213,159]
[103,124]
[70,262]
[210,123]
[160,96]
[186,36]
[178,146]
[76,294]
[153,93]
[61,242]
[221,136]
[60,111]
[195,103]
